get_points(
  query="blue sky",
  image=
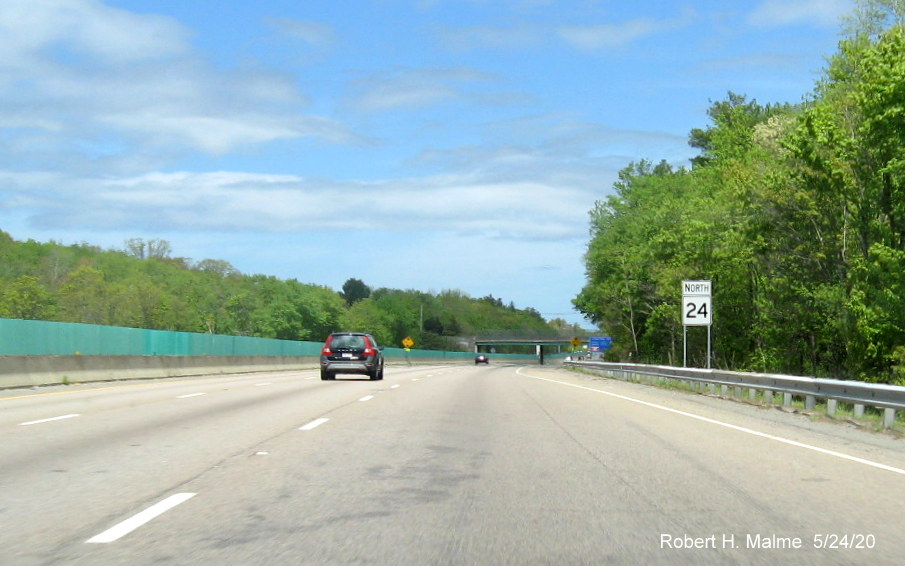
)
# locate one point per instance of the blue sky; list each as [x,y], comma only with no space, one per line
[413,144]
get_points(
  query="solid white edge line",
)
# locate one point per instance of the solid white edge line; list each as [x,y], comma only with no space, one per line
[140,519]
[313,424]
[753,432]
[50,419]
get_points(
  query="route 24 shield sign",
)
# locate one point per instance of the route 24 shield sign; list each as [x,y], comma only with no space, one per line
[697,309]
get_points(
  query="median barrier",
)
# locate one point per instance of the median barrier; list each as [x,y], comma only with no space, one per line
[32,371]
[36,371]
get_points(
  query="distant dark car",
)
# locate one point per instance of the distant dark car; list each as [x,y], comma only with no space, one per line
[351,352]
[481,359]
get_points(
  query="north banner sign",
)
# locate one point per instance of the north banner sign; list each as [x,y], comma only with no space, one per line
[696,288]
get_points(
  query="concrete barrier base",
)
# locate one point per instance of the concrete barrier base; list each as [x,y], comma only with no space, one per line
[30,371]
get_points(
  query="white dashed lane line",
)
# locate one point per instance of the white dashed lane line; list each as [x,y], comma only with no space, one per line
[122,529]
[39,421]
[190,395]
[313,424]
[129,525]
[317,422]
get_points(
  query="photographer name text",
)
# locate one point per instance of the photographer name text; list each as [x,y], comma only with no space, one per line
[759,541]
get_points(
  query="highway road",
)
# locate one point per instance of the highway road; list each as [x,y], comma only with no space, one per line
[446,465]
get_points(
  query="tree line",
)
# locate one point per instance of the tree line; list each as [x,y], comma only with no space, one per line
[795,212]
[143,286]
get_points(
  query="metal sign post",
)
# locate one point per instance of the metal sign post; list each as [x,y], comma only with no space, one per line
[697,310]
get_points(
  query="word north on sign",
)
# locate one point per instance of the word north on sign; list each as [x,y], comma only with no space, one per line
[696,288]
[696,306]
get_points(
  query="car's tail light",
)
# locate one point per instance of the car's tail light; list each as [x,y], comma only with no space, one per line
[369,350]
[327,351]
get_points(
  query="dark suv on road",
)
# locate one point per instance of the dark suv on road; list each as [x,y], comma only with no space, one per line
[351,352]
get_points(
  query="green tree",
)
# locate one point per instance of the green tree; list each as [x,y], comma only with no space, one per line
[240,308]
[217,267]
[24,298]
[147,249]
[366,316]
[851,155]
[84,297]
[355,290]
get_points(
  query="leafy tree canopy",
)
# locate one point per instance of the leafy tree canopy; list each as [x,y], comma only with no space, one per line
[795,212]
[143,286]
[355,290]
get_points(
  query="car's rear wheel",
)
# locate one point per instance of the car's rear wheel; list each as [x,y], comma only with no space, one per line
[327,375]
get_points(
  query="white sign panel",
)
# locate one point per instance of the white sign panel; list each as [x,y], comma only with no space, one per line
[696,306]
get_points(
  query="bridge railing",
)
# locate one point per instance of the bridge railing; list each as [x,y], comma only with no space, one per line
[524,335]
[890,398]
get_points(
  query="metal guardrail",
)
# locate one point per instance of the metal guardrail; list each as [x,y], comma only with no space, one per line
[891,398]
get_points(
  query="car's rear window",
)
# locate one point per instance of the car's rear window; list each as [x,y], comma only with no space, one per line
[348,342]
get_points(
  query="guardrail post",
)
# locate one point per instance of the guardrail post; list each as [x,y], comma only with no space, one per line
[831,407]
[752,394]
[724,390]
[786,399]
[859,411]
[889,418]
[768,397]
[810,402]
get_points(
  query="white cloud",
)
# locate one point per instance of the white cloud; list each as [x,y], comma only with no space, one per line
[412,88]
[97,76]
[219,134]
[233,201]
[589,37]
[75,28]
[493,37]
[316,34]
[610,35]
[826,13]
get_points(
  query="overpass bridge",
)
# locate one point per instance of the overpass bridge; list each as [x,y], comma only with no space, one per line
[544,342]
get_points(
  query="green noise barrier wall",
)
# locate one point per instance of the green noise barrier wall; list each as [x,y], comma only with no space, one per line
[42,338]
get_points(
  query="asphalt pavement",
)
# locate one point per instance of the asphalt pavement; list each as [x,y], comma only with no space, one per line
[446,465]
